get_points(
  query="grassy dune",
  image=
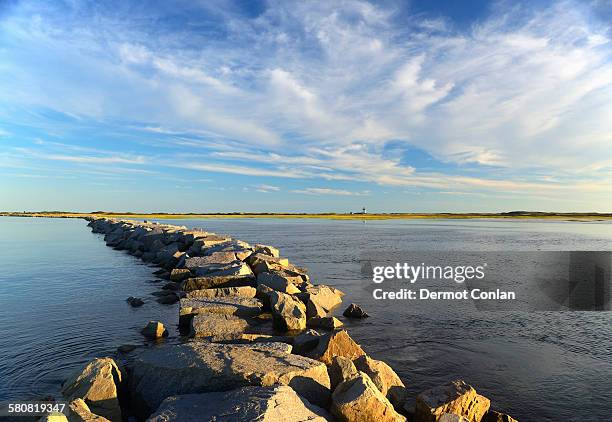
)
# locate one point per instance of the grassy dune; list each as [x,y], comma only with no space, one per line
[333,216]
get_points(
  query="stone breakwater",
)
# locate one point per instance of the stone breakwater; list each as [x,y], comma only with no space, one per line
[258,342]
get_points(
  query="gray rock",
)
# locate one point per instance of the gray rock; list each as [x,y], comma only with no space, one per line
[267,250]
[265,404]
[199,283]
[279,281]
[218,327]
[201,367]
[305,342]
[456,397]
[243,291]
[385,379]
[135,301]
[321,299]
[288,313]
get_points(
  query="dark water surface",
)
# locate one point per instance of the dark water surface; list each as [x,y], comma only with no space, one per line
[63,294]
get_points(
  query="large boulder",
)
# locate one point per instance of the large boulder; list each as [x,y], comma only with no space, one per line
[305,342]
[358,400]
[237,269]
[242,291]
[264,404]
[154,330]
[230,305]
[341,369]
[80,412]
[216,258]
[337,343]
[267,250]
[355,311]
[385,379]
[98,384]
[201,367]
[456,397]
[280,282]
[288,312]
[218,327]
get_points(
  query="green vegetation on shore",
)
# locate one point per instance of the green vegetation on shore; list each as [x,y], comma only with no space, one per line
[590,216]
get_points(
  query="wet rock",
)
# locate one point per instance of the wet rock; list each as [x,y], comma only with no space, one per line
[493,416]
[358,399]
[134,301]
[265,404]
[97,384]
[355,311]
[455,397]
[385,379]
[171,286]
[126,348]
[154,330]
[341,369]
[209,282]
[325,323]
[281,282]
[199,367]
[243,291]
[337,343]
[168,299]
[179,274]
[80,412]
[288,312]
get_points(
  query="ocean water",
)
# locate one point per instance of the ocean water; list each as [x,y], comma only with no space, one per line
[63,302]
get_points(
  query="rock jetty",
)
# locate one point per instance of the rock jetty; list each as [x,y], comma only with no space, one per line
[259,342]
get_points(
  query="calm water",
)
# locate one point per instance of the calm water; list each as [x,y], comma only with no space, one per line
[63,297]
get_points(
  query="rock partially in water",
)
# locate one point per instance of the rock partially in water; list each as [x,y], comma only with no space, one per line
[288,312]
[337,343]
[456,397]
[341,369]
[179,274]
[355,311]
[154,330]
[80,412]
[385,379]
[321,299]
[135,302]
[265,404]
[325,323]
[168,299]
[358,400]
[200,367]
[494,416]
[97,384]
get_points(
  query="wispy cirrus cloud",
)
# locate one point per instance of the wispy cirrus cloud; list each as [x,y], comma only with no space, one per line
[328,191]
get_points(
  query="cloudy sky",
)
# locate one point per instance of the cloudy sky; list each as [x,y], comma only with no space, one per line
[306,106]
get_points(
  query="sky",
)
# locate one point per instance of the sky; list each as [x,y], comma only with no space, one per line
[306,106]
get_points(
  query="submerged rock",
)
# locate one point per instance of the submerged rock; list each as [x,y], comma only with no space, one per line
[264,404]
[154,330]
[97,384]
[455,397]
[355,311]
[358,400]
[199,367]
[135,301]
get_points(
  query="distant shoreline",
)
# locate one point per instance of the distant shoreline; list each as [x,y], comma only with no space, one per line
[576,217]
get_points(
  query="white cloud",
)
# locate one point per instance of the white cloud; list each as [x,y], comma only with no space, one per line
[328,191]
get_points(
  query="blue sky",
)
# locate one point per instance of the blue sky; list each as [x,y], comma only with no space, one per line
[306,106]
